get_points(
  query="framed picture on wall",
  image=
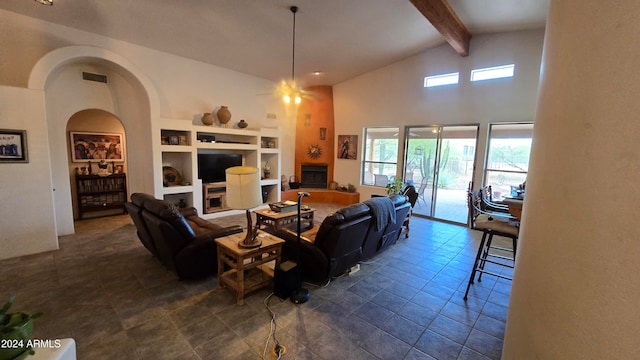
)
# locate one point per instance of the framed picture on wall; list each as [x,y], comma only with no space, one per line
[348,147]
[13,146]
[91,146]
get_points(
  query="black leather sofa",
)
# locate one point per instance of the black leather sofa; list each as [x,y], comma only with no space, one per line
[179,238]
[345,238]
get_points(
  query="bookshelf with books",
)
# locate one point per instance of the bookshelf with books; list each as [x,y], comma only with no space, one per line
[97,193]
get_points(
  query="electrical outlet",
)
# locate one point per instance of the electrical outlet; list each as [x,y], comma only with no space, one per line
[279,348]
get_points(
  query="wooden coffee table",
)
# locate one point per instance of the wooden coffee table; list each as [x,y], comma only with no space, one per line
[278,220]
[247,270]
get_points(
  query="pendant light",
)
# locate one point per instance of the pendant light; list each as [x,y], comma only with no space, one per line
[290,89]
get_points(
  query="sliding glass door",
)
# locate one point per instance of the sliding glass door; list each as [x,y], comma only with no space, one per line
[440,162]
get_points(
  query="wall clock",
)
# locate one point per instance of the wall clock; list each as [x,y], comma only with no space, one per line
[314,151]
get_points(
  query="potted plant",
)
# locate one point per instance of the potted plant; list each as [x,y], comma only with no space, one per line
[351,188]
[16,330]
[394,187]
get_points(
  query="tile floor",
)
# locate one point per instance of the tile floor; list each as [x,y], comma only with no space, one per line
[118,302]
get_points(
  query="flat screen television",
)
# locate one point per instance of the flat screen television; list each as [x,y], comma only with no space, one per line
[211,167]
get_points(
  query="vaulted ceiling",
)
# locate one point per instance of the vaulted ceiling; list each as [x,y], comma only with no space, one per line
[340,38]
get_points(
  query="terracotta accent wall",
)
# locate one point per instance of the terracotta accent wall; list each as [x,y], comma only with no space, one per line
[314,113]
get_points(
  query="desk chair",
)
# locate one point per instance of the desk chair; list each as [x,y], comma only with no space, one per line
[409,190]
[491,223]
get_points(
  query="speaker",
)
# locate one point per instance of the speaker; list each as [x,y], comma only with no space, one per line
[285,279]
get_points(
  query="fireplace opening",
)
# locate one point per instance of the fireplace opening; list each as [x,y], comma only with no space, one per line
[314,176]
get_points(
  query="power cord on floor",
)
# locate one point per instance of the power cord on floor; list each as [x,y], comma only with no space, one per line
[278,349]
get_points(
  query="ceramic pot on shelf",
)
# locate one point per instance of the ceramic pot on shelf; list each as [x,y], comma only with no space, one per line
[207,119]
[242,124]
[224,115]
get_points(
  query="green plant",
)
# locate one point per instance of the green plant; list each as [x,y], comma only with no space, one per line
[16,328]
[394,187]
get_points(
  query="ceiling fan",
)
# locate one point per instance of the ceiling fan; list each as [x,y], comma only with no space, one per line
[288,90]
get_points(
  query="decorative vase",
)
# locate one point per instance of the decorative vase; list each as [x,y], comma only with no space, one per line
[267,170]
[207,119]
[242,124]
[224,115]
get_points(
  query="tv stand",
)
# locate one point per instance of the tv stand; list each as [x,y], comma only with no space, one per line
[214,197]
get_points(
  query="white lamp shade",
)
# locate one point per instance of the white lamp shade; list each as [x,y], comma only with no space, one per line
[243,187]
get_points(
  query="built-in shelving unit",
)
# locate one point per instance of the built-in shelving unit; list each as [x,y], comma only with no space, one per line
[97,193]
[176,150]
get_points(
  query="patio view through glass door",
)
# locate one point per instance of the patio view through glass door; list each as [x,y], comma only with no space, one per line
[440,161]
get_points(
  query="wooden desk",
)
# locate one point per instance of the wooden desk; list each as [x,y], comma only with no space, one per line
[247,269]
[515,206]
[278,220]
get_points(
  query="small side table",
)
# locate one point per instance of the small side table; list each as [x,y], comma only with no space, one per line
[247,269]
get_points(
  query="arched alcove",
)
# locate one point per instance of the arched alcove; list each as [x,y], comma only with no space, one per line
[128,95]
[93,122]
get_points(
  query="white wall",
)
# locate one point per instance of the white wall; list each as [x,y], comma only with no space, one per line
[27,221]
[575,289]
[394,95]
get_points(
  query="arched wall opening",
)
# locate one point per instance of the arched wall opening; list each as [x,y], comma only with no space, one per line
[83,128]
[128,95]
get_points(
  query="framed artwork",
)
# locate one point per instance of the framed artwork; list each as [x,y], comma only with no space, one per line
[183,139]
[91,146]
[13,146]
[174,140]
[348,147]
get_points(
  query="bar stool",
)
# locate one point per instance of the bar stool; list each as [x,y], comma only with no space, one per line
[491,223]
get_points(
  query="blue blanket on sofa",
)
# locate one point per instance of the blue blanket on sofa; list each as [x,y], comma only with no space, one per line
[383,211]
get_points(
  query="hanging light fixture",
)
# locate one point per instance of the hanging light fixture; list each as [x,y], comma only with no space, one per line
[291,92]
[45,2]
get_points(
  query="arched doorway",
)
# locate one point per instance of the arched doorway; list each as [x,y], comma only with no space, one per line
[128,95]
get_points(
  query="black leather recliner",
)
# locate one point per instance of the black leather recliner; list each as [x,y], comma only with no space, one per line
[183,242]
[338,244]
[134,208]
[379,238]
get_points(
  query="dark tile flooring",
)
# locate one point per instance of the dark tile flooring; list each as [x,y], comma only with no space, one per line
[106,291]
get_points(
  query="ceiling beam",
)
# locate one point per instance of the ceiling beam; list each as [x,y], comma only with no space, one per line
[444,19]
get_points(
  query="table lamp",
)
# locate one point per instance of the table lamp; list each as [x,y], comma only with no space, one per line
[244,193]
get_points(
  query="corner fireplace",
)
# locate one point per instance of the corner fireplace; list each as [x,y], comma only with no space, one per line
[313,176]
